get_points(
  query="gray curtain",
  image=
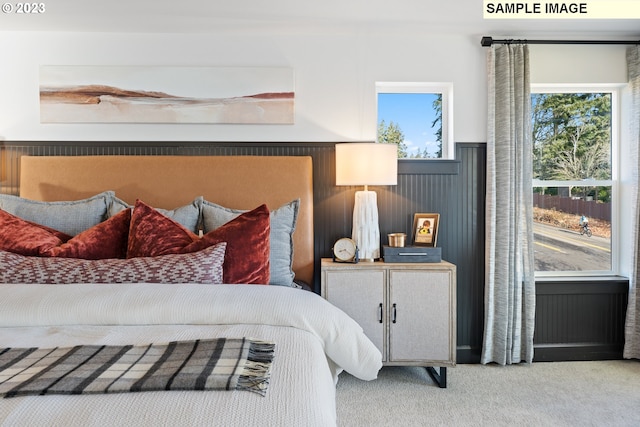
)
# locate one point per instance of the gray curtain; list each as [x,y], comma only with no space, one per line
[509,282]
[632,329]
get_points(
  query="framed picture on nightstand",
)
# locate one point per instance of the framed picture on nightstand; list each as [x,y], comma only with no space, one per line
[425,229]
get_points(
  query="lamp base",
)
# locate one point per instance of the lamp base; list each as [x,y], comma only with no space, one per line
[365,230]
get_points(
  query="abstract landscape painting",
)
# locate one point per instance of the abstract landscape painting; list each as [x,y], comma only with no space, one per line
[104,94]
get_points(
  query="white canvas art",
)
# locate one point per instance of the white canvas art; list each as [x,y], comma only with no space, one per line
[114,94]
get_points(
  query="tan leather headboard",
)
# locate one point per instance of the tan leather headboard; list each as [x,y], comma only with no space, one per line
[239,182]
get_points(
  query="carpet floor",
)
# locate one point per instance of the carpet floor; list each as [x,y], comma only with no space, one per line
[601,393]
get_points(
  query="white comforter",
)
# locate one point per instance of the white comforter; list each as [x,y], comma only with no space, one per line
[314,342]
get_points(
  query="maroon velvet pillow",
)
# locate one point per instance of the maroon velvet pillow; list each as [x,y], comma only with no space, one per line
[247,236]
[152,233]
[105,240]
[26,237]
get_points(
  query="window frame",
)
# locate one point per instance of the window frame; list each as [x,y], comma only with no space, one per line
[616,93]
[445,89]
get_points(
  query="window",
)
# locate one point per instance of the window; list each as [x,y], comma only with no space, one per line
[574,178]
[417,117]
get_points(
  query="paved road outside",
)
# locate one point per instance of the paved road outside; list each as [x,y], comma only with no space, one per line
[558,249]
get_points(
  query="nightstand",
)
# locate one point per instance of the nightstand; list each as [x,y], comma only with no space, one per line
[408,310]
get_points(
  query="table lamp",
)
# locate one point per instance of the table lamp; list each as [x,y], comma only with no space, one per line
[366,163]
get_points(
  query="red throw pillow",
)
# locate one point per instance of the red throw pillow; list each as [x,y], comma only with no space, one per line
[105,240]
[152,233]
[247,236]
[26,237]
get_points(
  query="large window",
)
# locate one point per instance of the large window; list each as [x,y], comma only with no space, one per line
[416,117]
[574,180]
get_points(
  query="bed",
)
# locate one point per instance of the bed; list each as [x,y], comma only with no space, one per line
[162,287]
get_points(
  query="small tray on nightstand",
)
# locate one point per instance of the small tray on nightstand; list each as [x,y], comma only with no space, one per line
[411,254]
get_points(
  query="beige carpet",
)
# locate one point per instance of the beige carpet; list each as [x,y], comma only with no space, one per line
[603,393]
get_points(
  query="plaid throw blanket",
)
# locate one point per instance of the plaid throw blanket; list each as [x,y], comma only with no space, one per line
[216,364]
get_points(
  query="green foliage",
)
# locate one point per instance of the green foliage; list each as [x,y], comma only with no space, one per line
[437,106]
[572,136]
[392,134]
[603,195]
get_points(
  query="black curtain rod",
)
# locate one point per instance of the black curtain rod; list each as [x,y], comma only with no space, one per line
[488,41]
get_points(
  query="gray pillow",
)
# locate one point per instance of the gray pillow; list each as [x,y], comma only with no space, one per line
[69,217]
[283,224]
[188,215]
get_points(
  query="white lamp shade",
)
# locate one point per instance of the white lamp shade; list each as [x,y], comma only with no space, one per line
[366,163]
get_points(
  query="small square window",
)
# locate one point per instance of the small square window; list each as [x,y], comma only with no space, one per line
[417,117]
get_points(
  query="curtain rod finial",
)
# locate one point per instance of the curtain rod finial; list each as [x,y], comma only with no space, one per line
[486,41]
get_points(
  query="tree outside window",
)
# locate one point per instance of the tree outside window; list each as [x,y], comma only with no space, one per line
[416,117]
[573,178]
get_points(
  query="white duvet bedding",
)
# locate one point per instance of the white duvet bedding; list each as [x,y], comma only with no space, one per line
[314,341]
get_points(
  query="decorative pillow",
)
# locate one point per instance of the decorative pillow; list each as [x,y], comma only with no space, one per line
[199,267]
[247,236]
[25,237]
[153,234]
[283,224]
[187,215]
[69,217]
[106,240]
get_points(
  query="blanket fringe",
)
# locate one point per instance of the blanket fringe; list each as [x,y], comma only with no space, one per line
[256,373]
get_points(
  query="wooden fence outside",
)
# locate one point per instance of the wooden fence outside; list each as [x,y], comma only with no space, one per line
[589,208]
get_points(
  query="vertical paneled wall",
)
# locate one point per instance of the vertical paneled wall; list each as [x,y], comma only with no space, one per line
[453,188]
[580,320]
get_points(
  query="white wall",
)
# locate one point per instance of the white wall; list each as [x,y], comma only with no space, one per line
[578,64]
[335,77]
